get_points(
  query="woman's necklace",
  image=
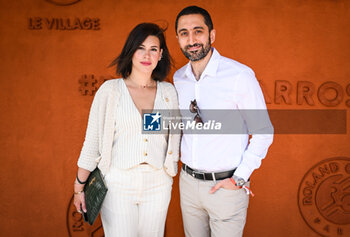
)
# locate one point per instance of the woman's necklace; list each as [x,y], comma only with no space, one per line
[144,86]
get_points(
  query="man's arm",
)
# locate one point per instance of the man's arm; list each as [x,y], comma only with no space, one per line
[251,103]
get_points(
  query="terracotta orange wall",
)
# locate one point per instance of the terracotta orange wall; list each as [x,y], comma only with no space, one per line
[44,114]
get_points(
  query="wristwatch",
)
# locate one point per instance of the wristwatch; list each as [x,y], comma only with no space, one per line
[239,181]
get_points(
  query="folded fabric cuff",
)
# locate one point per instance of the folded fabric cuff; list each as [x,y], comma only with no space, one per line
[243,172]
[170,167]
[90,166]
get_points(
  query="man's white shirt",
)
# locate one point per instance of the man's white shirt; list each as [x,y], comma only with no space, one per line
[225,84]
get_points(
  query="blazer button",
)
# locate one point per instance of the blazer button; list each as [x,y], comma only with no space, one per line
[166,99]
[145,153]
[170,152]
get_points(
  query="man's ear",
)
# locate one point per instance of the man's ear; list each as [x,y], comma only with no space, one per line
[212,35]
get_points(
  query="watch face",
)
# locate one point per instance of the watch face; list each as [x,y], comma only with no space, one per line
[240,182]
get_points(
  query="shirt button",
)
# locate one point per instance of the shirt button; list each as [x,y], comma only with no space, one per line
[170,152]
[145,154]
[145,140]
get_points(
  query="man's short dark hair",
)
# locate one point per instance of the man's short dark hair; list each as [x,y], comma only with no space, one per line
[195,10]
[136,37]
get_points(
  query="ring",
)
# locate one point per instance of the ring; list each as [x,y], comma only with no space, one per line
[79,211]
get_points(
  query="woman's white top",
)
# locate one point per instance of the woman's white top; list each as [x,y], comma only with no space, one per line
[130,146]
[102,135]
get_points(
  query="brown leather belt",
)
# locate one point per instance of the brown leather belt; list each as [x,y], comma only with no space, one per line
[207,176]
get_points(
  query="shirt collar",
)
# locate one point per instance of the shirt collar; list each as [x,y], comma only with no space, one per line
[211,67]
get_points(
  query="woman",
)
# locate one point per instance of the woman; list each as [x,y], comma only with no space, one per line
[138,167]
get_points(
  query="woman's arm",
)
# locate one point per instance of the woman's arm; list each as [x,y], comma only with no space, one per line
[90,151]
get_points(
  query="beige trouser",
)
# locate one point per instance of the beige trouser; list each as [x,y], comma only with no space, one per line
[217,215]
[137,202]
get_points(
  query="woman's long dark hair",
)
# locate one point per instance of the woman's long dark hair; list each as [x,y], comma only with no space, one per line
[136,37]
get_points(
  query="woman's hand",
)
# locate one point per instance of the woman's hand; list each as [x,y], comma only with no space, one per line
[79,197]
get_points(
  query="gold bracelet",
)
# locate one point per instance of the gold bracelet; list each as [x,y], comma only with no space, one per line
[76,193]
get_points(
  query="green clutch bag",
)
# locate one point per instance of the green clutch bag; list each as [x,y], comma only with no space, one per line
[95,192]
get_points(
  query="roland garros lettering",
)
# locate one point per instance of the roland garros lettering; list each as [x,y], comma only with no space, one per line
[324,197]
[322,172]
[77,227]
[329,93]
[63,2]
[87,23]
[78,222]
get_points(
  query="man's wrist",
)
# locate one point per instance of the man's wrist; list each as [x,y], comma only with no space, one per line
[238,180]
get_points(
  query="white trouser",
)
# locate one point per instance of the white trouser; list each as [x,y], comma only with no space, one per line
[137,202]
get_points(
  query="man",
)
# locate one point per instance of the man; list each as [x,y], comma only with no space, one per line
[216,167]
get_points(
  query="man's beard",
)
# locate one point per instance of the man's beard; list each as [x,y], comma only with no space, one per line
[199,54]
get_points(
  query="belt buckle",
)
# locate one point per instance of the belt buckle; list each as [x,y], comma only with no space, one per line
[194,172]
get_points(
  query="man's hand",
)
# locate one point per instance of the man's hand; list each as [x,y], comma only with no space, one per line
[226,184]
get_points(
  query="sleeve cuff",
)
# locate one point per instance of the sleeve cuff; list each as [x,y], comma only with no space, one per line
[170,166]
[243,172]
[90,166]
